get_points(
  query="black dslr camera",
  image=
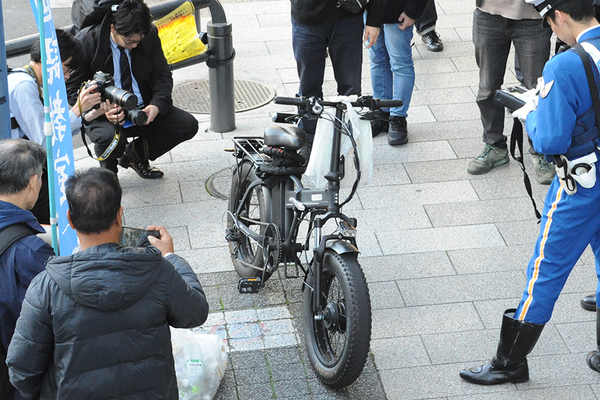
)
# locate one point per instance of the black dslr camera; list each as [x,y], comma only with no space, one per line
[127,100]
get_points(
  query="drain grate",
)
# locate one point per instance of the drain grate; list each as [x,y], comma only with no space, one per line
[194,97]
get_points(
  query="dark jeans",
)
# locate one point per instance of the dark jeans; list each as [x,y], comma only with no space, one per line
[161,135]
[311,43]
[426,23]
[493,36]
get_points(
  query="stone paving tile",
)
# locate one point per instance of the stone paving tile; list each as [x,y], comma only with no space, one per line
[417,194]
[460,288]
[565,392]
[410,321]
[440,239]
[406,266]
[479,212]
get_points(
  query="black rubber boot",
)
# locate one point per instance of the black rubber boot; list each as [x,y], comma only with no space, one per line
[589,302]
[594,356]
[517,339]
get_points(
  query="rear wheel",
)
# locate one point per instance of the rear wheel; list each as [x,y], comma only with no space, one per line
[338,342]
[246,253]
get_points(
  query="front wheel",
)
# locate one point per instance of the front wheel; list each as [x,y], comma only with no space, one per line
[338,341]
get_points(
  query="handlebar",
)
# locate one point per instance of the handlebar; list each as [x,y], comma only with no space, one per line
[315,106]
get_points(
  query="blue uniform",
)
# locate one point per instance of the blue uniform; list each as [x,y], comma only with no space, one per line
[569,222]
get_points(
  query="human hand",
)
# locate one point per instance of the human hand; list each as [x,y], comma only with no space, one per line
[87,99]
[165,243]
[94,113]
[530,105]
[405,21]
[371,35]
[152,112]
[115,114]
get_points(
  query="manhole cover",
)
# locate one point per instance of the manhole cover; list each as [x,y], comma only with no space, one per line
[194,96]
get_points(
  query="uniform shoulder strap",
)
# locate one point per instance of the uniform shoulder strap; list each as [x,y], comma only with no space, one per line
[12,233]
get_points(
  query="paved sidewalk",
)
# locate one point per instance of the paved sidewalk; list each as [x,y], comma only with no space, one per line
[444,251]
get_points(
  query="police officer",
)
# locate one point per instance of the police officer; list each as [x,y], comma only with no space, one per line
[560,121]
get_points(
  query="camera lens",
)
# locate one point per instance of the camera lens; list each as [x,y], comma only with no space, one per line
[137,116]
[125,99]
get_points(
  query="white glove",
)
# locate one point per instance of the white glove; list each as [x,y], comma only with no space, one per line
[530,94]
[530,105]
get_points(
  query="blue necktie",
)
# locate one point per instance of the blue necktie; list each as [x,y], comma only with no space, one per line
[125,71]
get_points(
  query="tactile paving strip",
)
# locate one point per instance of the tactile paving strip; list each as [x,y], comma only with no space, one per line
[194,96]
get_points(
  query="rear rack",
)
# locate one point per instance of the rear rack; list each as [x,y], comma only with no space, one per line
[250,146]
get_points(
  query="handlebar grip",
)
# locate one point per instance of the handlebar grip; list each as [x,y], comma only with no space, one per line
[291,101]
[388,103]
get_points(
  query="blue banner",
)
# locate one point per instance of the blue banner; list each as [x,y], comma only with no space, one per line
[63,162]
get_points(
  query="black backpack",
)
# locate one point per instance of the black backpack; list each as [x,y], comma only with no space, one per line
[90,12]
[8,236]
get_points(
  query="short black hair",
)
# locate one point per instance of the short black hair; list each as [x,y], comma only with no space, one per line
[578,10]
[132,17]
[68,46]
[20,159]
[94,198]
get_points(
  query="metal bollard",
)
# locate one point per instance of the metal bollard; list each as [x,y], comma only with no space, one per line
[220,77]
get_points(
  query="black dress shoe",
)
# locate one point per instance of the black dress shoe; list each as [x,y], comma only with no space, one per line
[432,41]
[589,302]
[144,170]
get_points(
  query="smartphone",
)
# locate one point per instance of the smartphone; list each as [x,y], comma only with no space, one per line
[131,237]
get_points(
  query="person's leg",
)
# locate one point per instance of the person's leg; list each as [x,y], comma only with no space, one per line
[309,43]
[428,20]
[381,82]
[397,43]
[492,47]
[425,27]
[102,133]
[532,49]
[569,224]
[164,133]
[594,356]
[346,51]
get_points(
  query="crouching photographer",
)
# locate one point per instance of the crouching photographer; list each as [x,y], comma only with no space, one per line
[125,46]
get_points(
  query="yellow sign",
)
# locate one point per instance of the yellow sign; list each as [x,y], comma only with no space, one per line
[178,34]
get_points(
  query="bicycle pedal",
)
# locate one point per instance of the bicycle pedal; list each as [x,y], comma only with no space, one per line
[249,285]
[289,275]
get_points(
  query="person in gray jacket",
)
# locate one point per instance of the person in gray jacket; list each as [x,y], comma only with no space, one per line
[95,324]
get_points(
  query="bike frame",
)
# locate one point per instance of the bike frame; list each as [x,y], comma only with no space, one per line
[289,202]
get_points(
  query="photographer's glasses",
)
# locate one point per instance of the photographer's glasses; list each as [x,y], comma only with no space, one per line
[131,42]
[67,70]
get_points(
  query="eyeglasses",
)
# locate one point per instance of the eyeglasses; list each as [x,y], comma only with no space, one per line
[67,70]
[130,42]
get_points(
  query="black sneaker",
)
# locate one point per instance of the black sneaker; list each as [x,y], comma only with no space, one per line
[432,41]
[397,134]
[380,122]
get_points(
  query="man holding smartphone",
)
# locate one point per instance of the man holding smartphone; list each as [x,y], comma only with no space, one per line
[95,324]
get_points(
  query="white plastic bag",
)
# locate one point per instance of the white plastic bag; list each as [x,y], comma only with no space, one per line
[200,362]
[320,157]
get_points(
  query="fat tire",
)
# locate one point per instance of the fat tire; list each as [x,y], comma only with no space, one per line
[246,250]
[348,363]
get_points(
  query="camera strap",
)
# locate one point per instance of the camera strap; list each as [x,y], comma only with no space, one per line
[109,149]
[516,142]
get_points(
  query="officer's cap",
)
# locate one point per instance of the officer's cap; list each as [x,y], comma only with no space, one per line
[543,6]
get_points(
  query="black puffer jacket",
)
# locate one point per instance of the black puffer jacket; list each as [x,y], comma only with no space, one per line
[95,325]
[394,8]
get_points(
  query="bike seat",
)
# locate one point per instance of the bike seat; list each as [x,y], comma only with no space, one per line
[285,137]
